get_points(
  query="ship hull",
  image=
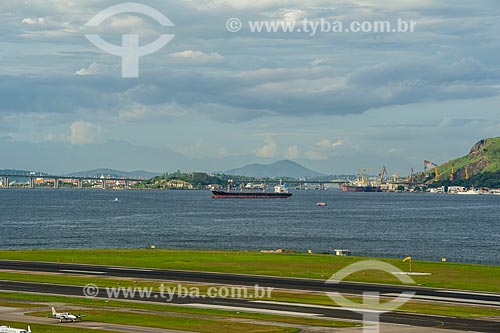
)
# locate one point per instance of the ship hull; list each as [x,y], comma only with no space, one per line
[352,188]
[249,195]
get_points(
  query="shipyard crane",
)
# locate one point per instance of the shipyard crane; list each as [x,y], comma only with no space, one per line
[381,175]
[395,177]
[364,176]
[428,165]
[411,176]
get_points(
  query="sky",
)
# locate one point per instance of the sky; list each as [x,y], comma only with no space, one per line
[213,99]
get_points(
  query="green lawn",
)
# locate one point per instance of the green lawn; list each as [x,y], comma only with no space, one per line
[18,305]
[444,275]
[190,324]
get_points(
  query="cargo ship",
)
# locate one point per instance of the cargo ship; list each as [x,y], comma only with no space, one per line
[280,192]
[360,188]
[361,185]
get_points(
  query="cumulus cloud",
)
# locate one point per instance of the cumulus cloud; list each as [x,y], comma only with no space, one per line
[327,144]
[83,132]
[321,61]
[293,152]
[247,4]
[323,149]
[315,155]
[93,69]
[197,56]
[270,149]
[221,152]
[33,20]
[291,15]
[126,22]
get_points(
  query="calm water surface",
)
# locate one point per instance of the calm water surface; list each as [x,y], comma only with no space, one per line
[424,225]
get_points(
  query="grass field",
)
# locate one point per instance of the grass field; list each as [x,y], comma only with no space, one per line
[166,321]
[172,310]
[444,275]
[18,305]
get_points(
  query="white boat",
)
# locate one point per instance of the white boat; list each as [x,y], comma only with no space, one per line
[470,192]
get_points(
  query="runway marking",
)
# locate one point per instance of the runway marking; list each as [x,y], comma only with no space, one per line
[130,269]
[245,309]
[318,306]
[467,293]
[448,299]
[426,315]
[81,272]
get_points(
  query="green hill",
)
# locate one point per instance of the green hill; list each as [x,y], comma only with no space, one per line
[482,164]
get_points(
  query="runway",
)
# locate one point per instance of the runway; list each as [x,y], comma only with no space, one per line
[451,296]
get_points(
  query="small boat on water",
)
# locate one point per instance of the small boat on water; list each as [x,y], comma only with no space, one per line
[321,204]
[471,191]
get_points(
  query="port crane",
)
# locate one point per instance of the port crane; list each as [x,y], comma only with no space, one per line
[381,175]
[428,165]
[411,176]
[395,177]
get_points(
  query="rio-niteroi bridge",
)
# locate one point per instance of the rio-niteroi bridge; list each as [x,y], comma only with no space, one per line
[33,180]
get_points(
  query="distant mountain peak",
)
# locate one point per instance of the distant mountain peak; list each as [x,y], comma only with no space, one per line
[115,173]
[282,168]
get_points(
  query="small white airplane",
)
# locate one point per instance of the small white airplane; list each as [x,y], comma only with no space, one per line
[64,316]
[8,329]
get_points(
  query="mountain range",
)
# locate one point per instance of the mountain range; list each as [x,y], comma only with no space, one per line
[285,169]
[63,157]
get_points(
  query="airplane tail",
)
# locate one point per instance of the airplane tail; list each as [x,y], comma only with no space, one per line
[53,311]
[29,329]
